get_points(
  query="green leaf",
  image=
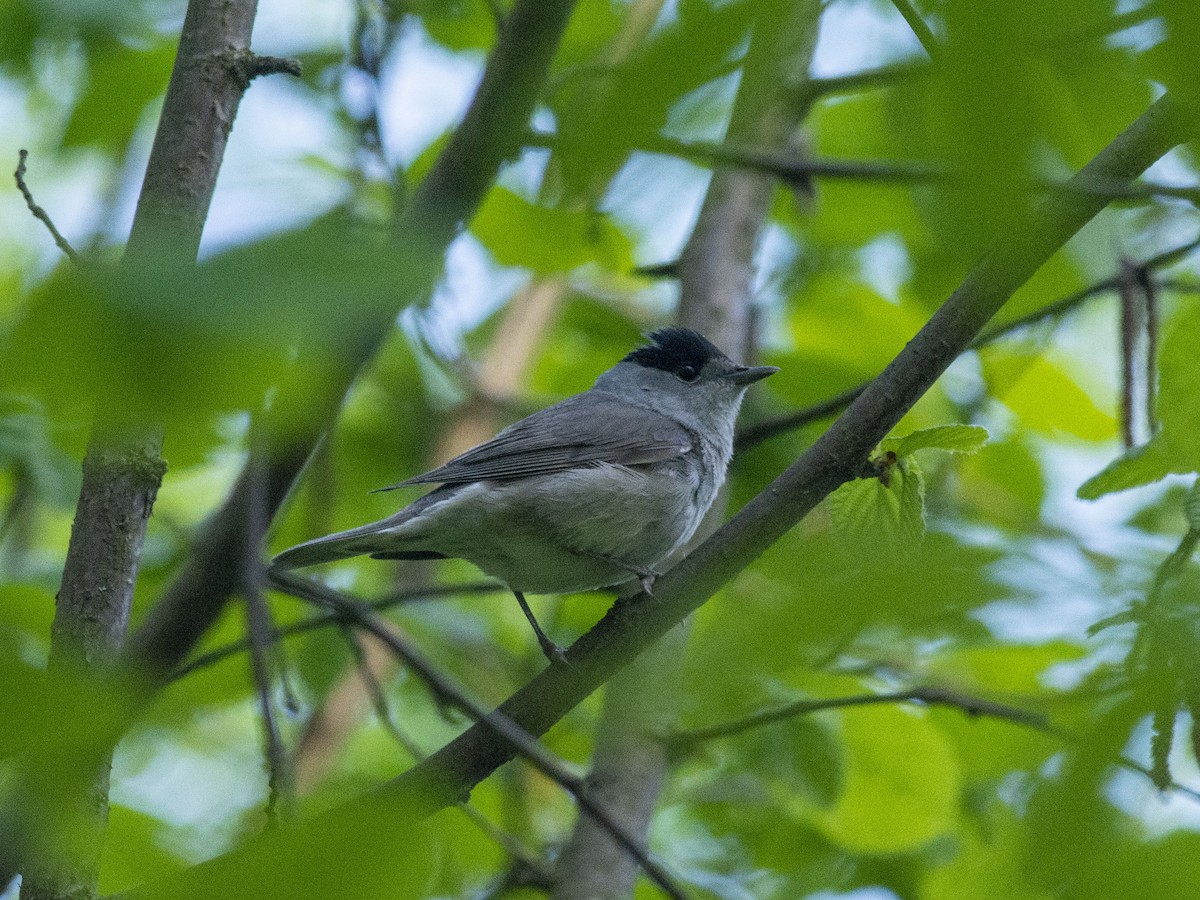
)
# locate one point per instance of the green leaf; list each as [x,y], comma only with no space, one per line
[1179,393]
[602,119]
[1176,447]
[951,438]
[986,865]
[1043,396]
[1140,466]
[122,81]
[901,783]
[548,239]
[1003,484]
[132,851]
[821,361]
[866,512]
[182,349]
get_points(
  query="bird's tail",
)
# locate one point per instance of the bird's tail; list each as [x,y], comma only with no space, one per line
[385,539]
[343,545]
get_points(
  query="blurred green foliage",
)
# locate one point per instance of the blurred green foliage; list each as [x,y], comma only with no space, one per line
[978,573]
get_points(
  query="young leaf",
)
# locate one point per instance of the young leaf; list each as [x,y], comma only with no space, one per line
[1142,465]
[867,512]
[951,438]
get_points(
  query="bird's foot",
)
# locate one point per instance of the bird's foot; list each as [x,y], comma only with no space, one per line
[554,653]
[646,577]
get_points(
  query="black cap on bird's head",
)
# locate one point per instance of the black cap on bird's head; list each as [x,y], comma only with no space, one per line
[685,354]
[676,350]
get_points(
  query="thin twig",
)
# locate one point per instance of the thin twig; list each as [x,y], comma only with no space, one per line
[683,741]
[1130,332]
[259,626]
[1150,292]
[933,695]
[761,431]
[790,167]
[1174,786]
[521,855]
[248,65]
[40,214]
[919,27]
[1178,285]
[520,740]
[324,620]
[533,870]
[883,76]
[787,166]
[379,702]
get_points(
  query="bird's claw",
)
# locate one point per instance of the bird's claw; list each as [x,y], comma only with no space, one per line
[554,653]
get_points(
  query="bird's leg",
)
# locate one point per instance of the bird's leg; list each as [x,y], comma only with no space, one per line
[553,652]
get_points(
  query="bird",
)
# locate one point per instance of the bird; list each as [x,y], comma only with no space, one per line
[592,492]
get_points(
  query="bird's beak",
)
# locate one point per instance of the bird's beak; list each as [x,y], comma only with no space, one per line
[751,374]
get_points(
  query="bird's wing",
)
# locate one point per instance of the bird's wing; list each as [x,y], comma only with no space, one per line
[585,430]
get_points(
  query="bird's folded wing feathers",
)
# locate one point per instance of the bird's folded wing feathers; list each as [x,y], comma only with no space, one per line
[581,431]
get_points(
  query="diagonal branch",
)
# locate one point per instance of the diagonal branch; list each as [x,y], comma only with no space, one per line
[919,26]
[683,742]
[325,620]
[793,168]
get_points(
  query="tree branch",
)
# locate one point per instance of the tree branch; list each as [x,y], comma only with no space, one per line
[792,168]
[38,213]
[919,27]
[324,620]
[260,630]
[685,741]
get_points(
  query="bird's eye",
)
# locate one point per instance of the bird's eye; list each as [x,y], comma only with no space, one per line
[687,373]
